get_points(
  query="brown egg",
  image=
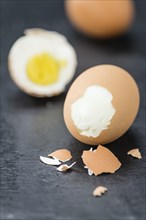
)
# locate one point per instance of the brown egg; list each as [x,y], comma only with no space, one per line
[101,104]
[100,18]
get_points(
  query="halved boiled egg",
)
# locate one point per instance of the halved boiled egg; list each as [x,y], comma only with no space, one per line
[42,62]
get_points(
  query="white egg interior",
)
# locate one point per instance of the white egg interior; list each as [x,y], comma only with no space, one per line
[93,112]
[35,43]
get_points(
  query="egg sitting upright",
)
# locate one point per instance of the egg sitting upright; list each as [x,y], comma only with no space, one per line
[101,104]
[42,62]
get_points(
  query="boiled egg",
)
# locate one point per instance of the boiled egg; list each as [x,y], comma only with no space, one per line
[100,18]
[42,62]
[101,104]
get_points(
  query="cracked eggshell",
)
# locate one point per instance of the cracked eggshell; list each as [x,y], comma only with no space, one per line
[65,167]
[61,154]
[34,42]
[98,191]
[101,160]
[135,153]
[125,100]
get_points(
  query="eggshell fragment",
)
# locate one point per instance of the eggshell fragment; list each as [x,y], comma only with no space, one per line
[89,171]
[62,155]
[49,161]
[135,153]
[65,167]
[98,191]
[101,160]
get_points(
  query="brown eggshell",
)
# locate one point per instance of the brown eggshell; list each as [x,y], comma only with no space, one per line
[125,100]
[135,153]
[61,154]
[101,160]
[99,190]
[101,18]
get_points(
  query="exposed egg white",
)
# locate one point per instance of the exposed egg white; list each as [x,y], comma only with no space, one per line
[37,41]
[93,112]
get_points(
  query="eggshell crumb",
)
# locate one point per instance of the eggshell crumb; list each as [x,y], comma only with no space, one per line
[62,155]
[135,153]
[98,191]
[101,160]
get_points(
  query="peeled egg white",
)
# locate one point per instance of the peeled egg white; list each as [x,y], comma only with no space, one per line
[34,42]
[101,104]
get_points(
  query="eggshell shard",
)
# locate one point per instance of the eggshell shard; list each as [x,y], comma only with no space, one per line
[89,171]
[35,42]
[101,18]
[49,161]
[65,167]
[62,155]
[125,100]
[135,153]
[101,160]
[98,191]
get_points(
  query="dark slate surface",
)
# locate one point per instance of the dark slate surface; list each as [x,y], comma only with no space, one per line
[31,127]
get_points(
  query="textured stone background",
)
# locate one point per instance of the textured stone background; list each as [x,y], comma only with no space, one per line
[31,127]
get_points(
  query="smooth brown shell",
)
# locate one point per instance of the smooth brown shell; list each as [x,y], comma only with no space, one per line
[101,18]
[125,100]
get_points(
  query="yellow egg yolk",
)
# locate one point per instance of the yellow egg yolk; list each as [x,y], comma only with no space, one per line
[44,69]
